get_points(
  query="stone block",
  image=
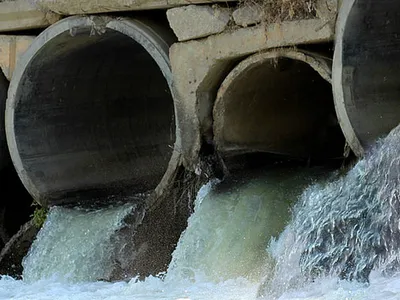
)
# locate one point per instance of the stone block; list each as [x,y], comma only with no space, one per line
[194,21]
[11,49]
[77,7]
[23,15]
[248,15]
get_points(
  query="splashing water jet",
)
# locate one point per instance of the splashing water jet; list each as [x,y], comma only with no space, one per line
[344,228]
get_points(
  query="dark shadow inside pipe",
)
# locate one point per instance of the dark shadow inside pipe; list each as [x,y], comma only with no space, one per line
[15,204]
[280,106]
[4,155]
[94,118]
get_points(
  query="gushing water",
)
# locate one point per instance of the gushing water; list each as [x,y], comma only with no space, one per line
[341,243]
[232,225]
[221,255]
[346,228]
[74,244]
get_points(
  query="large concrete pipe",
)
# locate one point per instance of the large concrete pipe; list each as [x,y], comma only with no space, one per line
[366,70]
[90,113]
[278,102]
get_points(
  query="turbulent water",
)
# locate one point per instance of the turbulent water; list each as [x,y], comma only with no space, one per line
[233,223]
[245,240]
[74,244]
[345,229]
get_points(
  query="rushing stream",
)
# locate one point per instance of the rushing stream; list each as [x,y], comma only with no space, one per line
[280,234]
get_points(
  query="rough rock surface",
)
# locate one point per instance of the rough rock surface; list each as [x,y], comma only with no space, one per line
[327,9]
[194,21]
[248,15]
[15,250]
[23,15]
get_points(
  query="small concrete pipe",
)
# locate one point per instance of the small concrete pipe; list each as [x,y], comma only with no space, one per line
[278,102]
[366,72]
[90,115]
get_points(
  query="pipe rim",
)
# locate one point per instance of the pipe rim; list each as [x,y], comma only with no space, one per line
[132,28]
[337,69]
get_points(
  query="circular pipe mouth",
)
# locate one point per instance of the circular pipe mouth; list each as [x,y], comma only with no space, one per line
[90,114]
[365,71]
[278,102]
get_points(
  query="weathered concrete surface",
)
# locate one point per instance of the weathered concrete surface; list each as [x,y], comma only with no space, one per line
[11,49]
[327,9]
[75,7]
[248,15]
[200,66]
[280,102]
[365,71]
[23,15]
[197,21]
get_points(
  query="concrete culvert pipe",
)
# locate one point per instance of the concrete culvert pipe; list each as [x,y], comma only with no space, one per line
[90,114]
[366,73]
[278,102]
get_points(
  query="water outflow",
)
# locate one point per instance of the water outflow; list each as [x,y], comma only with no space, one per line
[340,228]
[74,245]
[345,228]
[228,234]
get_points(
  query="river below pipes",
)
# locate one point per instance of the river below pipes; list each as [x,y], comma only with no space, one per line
[283,233]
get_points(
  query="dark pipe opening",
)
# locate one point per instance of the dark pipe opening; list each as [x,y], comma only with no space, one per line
[4,155]
[94,118]
[279,106]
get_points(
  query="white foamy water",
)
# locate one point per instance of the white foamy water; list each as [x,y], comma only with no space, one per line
[154,288]
[74,244]
[380,288]
[151,289]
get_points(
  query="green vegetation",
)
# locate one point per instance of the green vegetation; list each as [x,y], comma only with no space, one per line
[39,215]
